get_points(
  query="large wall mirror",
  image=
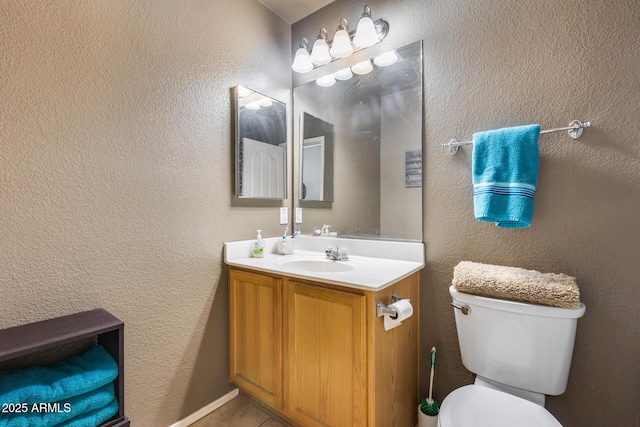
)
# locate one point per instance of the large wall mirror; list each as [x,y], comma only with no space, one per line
[362,138]
[261,145]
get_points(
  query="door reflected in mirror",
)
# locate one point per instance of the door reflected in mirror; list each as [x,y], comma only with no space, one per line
[317,160]
[261,145]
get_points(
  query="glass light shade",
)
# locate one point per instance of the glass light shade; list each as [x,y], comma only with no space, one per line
[344,74]
[341,47]
[363,67]
[326,81]
[265,102]
[302,62]
[255,105]
[366,34]
[386,59]
[320,52]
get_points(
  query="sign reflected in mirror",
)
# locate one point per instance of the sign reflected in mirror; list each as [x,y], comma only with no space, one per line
[376,159]
[317,160]
[261,145]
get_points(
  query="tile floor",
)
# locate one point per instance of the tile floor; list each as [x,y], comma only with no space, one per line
[240,412]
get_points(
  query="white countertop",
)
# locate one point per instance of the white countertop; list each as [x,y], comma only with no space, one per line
[373,264]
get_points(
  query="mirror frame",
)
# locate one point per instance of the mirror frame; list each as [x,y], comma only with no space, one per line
[279,134]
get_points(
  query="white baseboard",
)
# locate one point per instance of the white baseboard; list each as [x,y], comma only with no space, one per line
[206,410]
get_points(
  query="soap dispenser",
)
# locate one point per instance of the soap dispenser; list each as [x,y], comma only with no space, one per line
[258,246]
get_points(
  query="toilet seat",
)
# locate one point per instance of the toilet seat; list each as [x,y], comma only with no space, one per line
[478,406]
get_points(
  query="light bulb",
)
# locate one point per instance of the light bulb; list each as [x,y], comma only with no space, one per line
[363,67]
[386,59]
[265,102]
[255,105]
[344,74]
[302,62]
[341,46]
[366,34]
[320,53]
[326,81]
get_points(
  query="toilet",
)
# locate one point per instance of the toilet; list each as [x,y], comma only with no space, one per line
[519,352]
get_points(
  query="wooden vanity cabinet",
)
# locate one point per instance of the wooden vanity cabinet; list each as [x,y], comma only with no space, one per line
[325,355]
[255,335]
[334,364]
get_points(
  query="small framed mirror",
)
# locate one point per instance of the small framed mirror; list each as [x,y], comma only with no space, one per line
[260,145]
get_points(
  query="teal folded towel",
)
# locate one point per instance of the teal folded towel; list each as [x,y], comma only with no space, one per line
[93,418]
[505,175]
[62,412]
[60,381]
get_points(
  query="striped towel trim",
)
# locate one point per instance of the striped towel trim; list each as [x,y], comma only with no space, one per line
[505,189]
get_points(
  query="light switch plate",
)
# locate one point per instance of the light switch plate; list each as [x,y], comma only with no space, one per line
[284,215]
[298,215]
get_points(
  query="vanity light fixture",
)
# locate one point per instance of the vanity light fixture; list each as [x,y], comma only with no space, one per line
[341,47]
[250,102]
[344,74]
[302,62]
[326,81]
[243,91]
[386,59]
[320,52]
[265,102]
[367,33]
[363,67]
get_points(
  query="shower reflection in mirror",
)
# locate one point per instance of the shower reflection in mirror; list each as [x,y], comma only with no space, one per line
[261,145]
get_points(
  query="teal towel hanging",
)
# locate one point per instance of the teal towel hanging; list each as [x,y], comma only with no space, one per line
[505,175]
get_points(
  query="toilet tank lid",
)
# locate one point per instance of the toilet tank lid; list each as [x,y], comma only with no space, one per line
[518,307]
[478,406]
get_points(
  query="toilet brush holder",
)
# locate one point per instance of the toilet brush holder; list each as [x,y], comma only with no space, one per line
[425,420]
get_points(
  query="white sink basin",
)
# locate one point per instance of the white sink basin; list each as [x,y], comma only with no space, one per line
[316,265]
[372,265]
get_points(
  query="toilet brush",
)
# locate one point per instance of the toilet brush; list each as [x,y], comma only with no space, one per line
[430,406]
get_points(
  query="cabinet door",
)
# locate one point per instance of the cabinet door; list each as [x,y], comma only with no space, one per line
[325,356]
[255,335]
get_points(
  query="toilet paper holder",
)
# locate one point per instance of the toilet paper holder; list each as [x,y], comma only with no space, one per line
[382,310]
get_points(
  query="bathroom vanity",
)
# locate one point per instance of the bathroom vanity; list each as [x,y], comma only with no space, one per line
[305,338]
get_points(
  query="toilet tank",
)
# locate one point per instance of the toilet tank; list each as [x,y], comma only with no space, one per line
[518,344]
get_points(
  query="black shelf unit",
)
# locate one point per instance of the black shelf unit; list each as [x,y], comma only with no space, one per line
[106,328]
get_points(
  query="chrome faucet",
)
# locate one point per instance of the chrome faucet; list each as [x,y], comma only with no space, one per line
[337,254]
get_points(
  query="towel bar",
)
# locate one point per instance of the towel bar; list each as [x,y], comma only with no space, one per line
[574,129]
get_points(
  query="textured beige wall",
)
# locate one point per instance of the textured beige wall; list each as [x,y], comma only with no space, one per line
[116,176]
[494,63]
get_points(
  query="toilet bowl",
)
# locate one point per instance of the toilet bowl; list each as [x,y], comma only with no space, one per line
[479,406]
